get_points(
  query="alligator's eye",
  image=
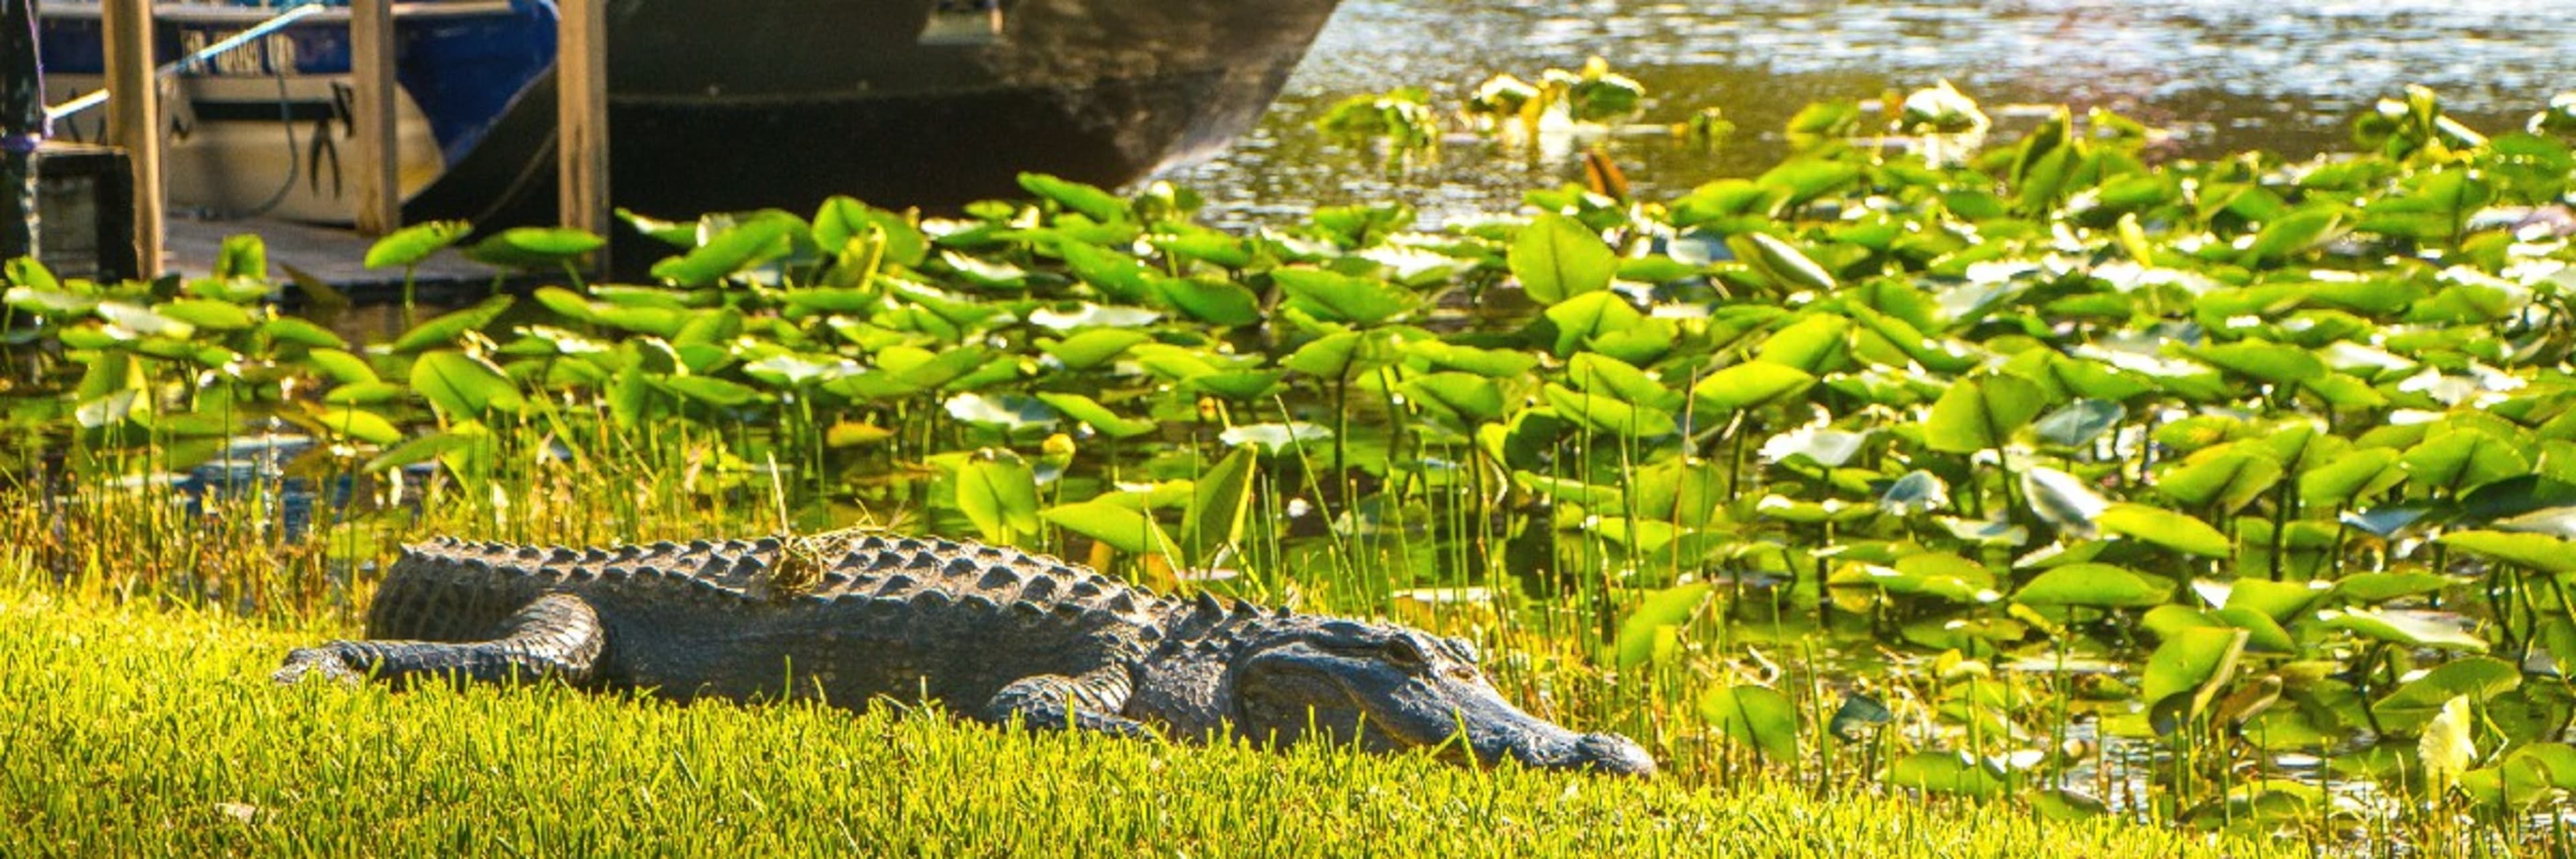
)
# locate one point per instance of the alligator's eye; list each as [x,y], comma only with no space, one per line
[1402,651]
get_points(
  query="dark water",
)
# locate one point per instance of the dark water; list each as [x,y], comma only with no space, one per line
[2284,75]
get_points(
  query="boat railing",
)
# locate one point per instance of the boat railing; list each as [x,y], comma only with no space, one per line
[195,59]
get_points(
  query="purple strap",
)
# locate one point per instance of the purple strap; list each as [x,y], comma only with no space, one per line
[21,144]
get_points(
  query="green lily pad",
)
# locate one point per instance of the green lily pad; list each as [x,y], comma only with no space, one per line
[1094,347]
[1782,262]
[1583,318]
[1238,385]
[535,248]
[2350,478]
[1655,615]
[1092,202]
[359,424]
[1750,384]
[1467,395]
[1122,528]
[2193,661]
[464,386]
[2280,601]
[2097,586]
[999,494]
[722,393]
[2541,552]
[841,219]
[288,329]
[2270,363]
[415,244]
[206,315]
[2437,630]
[446,328]
[2476,677]
[1982,413]
[1605,415]
[1493,363]
[2458,460]
[2373,588]
[1810,344]
[1947,774]
[1556,258]
[1362,301]
[1757,716]
[2177,531]
[1086,410]
[1217,302]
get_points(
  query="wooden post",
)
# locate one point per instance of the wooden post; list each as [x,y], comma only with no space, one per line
[22,127]
[371,72]
[581,117]
[134,120]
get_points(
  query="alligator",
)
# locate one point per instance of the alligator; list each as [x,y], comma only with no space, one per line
[993,633]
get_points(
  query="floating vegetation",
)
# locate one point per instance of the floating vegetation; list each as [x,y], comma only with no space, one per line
[2224,494]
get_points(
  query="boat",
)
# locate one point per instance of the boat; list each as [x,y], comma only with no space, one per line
[714,105]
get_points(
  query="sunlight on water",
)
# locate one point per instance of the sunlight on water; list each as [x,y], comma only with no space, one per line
[2285,76]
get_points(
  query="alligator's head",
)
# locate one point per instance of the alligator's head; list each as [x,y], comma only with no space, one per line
[1389,688]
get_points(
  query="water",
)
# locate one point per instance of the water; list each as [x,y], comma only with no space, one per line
[2285,75]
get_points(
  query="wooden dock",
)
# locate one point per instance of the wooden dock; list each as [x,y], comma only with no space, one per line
[332,255]
[166,243]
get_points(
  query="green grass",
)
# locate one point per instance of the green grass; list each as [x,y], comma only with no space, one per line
[139,731]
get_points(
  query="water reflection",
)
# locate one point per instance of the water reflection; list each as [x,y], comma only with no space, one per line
[2284,75]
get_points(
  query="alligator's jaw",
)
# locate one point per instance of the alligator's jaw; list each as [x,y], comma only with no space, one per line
[1602,753]
[1496,731]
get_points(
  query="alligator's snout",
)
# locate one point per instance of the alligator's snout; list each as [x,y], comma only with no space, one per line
[1391,689]
[1607,754]
[1611,753]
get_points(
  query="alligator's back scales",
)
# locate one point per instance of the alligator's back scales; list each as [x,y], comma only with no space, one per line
[453,590]
[997,633]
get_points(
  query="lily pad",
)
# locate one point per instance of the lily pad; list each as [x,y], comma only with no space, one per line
[1982,413]
[1556,258]
[1276,438]
[415,244]
[1757,716]
[464,386]
[2437,630]
[1084,409]
[2097,586]
[1750,384]
[2177,531]
[535,248]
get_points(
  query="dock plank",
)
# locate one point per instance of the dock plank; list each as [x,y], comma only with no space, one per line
[333,255]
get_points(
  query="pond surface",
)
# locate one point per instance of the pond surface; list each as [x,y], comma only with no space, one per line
[2286,75]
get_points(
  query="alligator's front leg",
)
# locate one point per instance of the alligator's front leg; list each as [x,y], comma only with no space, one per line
[1090,702]
[557,635]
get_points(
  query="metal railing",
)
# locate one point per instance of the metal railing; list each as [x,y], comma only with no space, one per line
[194,59]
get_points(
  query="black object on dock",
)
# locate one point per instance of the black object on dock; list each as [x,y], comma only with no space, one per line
[85,195]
